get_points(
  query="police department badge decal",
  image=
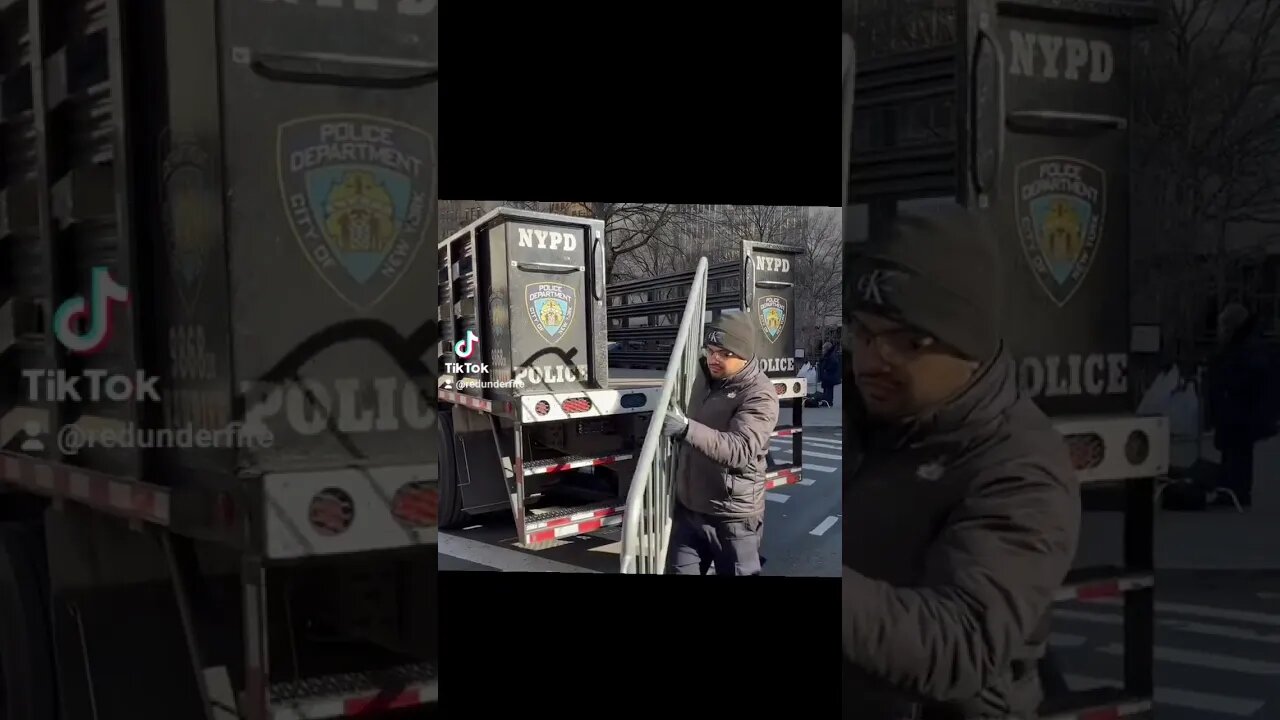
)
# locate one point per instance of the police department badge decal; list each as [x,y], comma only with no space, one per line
[551,308]
[1061,207]
[771,310]
[359,193]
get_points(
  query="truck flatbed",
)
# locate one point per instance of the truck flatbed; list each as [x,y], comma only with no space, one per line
[632,383]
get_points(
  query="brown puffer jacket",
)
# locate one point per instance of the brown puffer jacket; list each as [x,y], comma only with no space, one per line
[722,459]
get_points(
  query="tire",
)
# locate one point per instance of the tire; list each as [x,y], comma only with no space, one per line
[27,672]
[451,512]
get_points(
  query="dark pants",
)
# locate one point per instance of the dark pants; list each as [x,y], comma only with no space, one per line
[1237,471]
[829,393]
[699,542]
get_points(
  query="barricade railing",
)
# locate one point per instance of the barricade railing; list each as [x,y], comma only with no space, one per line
[646,524]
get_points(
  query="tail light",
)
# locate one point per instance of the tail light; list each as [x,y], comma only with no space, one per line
[576,405]
[1087,450]
[416,504]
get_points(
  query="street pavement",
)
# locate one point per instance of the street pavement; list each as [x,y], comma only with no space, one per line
[801,527]
[1217,649]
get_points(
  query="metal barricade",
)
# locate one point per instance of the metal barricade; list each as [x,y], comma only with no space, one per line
[646,524]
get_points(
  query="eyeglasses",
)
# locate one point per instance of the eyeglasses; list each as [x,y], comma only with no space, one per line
[718,353]
[895,345]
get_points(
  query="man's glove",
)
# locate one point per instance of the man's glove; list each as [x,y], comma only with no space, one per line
[675,424]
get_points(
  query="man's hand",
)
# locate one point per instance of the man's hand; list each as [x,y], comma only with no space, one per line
[675,424]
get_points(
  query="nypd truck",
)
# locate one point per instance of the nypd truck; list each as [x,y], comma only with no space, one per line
[1021,110]
[549,377]
[215,498]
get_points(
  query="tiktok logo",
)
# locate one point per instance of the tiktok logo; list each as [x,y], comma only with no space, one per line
[466,346]
[96,314]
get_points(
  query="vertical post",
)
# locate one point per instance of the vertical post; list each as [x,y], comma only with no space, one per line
[253,581]
[45,176]
[517,470]
[1139,605]
[132,264]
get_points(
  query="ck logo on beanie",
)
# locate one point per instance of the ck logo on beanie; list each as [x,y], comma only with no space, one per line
[715,337]
[871,286]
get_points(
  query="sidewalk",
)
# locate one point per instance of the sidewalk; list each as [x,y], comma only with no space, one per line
[1218,539]
[817,417]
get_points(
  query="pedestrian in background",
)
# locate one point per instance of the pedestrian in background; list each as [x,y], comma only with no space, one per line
[1241,401]
[720,496]
[962,514]
[829,372]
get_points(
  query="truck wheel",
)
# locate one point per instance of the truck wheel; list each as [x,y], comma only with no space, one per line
[451,513]
[26,651]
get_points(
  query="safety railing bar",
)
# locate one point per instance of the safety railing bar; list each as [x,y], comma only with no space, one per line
[637,551]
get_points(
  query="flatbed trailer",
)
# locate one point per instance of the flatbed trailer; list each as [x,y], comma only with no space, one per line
[523,299]
[251,534]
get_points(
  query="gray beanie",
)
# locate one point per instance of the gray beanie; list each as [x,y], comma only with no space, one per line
[733,332]
[939,273]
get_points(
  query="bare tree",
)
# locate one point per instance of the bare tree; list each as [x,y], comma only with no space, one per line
[1207,139]
[888,27]
[819,275]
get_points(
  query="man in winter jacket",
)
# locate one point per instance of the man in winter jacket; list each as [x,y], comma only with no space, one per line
[962,512]
[719,513]
[829,372]
[1241,401]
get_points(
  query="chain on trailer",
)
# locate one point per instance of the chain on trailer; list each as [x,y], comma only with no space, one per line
[1038,141]
[115,183]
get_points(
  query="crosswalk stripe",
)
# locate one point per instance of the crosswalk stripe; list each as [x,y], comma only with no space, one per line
[785,456]
[1204,702]
[808,446]
[776,497]
[824,456]
[1211,661]
[1188,626]
[1214,613]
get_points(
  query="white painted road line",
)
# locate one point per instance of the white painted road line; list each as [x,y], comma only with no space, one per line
[1211,661]
[825,456]
[810,467]
[1196,628]
[1213,613]
[824,526]
[776,497]
[818,468]
[1204,702]
[1205,611]
[824,441]
[500,558]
